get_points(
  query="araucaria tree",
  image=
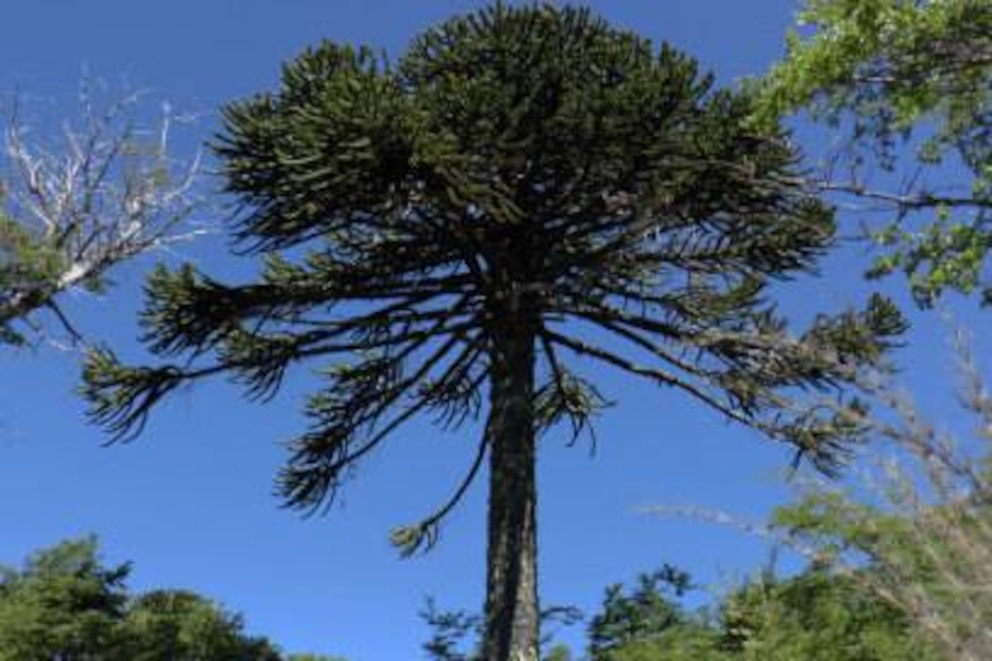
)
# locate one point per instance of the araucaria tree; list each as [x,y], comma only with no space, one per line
[446,235]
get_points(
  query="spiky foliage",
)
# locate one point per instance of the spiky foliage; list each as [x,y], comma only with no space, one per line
[524,188]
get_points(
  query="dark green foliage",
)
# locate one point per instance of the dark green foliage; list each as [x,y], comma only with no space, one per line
[27,264]
[65,604]
[449,632]
[648,610]
[649,622]
[451,227]
[817,616]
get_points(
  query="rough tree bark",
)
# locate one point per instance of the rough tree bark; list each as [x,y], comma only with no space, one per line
[512,613]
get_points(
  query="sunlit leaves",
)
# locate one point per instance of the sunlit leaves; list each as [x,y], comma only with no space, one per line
[905,76]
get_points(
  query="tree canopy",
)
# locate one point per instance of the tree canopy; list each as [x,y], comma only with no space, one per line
[66,604]
[904,76]
[523,190]
[815,615]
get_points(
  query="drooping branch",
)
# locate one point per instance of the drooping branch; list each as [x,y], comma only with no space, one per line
[651,346]
[186,311]
[425,533]
[567,396]
[314,471]
[816,430]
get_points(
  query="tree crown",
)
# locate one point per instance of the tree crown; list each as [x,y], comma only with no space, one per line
[527,172]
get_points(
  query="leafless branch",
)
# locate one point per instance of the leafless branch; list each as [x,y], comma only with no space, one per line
[107,191]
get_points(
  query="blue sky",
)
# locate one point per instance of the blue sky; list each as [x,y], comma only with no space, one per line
[190,502]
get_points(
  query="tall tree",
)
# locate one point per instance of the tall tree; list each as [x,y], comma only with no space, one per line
[905,76]
[72,209]
[524,185]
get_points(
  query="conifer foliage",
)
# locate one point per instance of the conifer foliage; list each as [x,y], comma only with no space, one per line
[445,235]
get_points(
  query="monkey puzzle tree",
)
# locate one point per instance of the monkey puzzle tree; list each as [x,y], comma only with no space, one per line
[524,186]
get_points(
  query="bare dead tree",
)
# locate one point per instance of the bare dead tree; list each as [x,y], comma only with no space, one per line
[106,189]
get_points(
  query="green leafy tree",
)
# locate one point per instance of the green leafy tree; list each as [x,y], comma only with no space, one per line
[814,615]
[66,604]
[63,604]
[177,624]
[441,235]
[649,622]
[900,553]
[916,532]
[26,264]
[894,69]
[817,616]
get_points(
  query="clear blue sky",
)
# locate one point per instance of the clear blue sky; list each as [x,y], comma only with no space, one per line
[190,503]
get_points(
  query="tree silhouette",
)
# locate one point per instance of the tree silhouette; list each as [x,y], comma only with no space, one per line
[524,188]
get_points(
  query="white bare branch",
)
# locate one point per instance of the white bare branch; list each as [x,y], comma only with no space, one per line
[109,190]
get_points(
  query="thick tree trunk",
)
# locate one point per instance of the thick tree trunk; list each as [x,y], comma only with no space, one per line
[512,614]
